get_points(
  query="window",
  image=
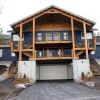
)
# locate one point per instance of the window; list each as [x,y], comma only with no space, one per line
[56,36]
[49,36]
[1,51]
[82,35]
[16,37]
[88,35]
[65,36]
[12,54]
[39,36]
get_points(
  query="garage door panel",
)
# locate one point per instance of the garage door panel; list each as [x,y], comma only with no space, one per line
[50,72]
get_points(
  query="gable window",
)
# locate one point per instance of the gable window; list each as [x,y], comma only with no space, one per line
[1,51]
[39,36]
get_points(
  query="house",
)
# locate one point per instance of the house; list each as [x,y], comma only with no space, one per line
[53,44]
[97,51]
[5,50]
[6,54]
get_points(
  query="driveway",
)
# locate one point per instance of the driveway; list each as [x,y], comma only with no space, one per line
[58,91]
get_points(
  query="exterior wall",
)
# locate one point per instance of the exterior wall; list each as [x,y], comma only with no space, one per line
[27,68]
[70,71]
[97,52]
[6,54]
[79,66]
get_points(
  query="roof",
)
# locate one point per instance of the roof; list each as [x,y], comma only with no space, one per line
[55,7]
[3,46]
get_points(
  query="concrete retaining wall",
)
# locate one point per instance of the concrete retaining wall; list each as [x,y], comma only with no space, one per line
[28,69]
[79,66]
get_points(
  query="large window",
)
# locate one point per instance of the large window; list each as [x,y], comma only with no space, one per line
[88,35]
[39,36]
[65,35]
[49,36]
[56,36]
[1,51]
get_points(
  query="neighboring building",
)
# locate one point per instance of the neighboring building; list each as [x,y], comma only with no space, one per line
[6,54]
[53,44]
[96,54]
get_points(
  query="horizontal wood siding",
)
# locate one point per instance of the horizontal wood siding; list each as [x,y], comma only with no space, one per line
[6,55]
[97,52]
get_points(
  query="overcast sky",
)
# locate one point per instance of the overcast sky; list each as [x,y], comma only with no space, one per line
[14,10]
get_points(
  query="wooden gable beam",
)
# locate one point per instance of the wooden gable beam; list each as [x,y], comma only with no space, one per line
[23,22]
[79,20]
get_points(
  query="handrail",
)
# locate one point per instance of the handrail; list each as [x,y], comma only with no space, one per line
[53,53]
[78,42]
[93,62]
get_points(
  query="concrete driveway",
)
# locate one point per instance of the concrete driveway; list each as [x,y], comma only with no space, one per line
[58,91]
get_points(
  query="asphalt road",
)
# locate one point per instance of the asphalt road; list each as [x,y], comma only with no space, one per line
[58,91]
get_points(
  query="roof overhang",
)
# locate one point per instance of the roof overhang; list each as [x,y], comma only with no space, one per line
[43,11]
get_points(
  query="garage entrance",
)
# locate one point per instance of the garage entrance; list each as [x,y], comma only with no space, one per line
[53,72]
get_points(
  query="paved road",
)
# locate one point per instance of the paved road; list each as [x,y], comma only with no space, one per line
[58,91]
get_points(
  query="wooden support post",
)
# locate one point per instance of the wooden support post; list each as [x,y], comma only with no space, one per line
[20,42]
[73,41]
[33,40]
[85,39]
[11,42]
[94,42]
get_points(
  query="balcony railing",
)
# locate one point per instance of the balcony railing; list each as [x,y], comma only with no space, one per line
[79,43]
[53,53]
[15,45]
[90,43]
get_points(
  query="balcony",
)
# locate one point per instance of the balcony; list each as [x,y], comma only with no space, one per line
[90,43]
[53,54]
[53,37]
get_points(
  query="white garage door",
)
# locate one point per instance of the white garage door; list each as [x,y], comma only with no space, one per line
[52,72]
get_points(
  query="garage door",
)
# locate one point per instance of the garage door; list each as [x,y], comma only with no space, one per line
[52,72]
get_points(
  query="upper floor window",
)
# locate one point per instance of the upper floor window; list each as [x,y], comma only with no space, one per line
[1,51]
[88,35]
[49,36]
[65,35]
[56,36]
[39,36]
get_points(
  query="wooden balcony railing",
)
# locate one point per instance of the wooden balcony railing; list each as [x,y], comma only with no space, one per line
[59,53]
[90,43]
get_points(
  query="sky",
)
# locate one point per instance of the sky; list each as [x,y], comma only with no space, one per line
[14,10]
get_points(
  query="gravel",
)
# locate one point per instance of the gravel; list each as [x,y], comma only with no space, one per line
[58,91]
